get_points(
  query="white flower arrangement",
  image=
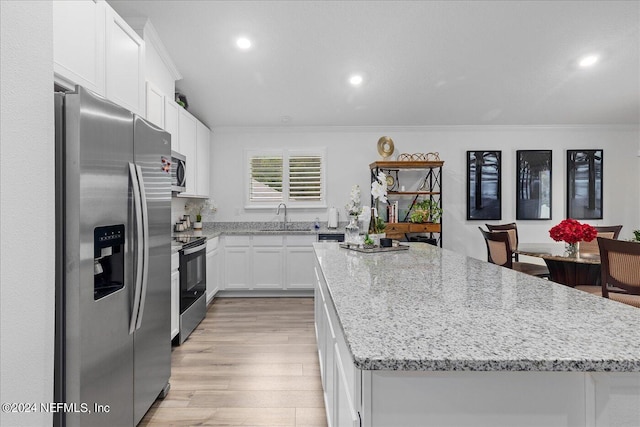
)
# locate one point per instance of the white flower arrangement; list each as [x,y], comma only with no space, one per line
[353,207]
[379,188]
[197,208]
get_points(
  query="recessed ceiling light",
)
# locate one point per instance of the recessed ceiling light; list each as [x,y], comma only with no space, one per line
[355,80]
[243,43]
[588,61]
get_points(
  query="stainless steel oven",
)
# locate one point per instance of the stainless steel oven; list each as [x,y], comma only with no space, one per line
[193,284]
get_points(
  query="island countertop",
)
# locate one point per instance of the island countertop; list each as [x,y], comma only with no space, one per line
[429,309]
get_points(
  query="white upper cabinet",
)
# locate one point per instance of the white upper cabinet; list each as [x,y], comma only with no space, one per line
[171,119]
[79,44]
[125,64]
[203,151]
[187,136]
[94,47]
[155,105]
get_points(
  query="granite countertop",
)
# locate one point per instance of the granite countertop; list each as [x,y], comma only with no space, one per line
[216,229]
[429,309]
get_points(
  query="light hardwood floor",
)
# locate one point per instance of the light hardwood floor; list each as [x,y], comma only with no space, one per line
[251,362]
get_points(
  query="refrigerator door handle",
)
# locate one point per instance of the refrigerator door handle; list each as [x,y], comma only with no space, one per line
[137,208]
[145,258]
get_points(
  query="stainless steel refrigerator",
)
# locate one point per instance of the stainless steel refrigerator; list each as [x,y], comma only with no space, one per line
[113,249]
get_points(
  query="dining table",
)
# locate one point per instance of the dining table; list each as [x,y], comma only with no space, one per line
[569,269]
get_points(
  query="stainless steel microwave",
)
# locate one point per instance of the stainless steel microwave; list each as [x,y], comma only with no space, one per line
[178,172]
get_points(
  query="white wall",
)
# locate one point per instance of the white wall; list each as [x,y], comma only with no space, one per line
[351,150]
[27,208]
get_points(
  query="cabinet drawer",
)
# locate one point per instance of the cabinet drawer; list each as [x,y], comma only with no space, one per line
[237,240]
[397,227]
[424,228]
[307,240]
[268,240]
[212,243]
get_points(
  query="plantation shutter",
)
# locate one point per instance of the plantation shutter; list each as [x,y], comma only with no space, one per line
[265,178]
[305,178]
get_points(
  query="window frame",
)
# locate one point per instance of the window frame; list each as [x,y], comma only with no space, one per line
[286,154]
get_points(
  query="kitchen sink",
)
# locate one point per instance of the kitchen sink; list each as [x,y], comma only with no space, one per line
[287,230]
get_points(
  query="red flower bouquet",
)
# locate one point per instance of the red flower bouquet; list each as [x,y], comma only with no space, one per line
[572,231]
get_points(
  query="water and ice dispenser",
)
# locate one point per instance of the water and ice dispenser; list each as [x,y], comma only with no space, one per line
[108,260]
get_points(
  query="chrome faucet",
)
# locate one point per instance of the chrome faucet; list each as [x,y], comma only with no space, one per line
[284,222]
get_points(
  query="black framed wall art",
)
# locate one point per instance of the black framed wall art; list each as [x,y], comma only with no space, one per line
[484,182]
[584,184]
[533,184]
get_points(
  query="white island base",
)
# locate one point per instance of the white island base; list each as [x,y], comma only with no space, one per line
[494,398]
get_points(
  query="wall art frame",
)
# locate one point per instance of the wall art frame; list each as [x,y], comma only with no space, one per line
[533,184]
[585,184]
[484,185]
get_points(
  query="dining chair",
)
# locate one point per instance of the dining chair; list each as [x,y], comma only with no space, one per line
[499,252]
[606,231]
[510,228]
[620,265]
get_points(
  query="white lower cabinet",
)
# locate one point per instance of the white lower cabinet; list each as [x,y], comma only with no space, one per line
[339,376]
[273,262]
[237,262]
[213,268]
[175,294]
[299,262]
[267,262]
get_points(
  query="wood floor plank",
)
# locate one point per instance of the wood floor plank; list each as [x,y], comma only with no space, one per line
[251,362]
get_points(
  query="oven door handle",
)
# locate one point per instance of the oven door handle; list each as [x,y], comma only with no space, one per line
[137,210]
[145,251]
[190,251]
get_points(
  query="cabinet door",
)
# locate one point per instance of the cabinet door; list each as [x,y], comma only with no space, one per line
[203,151]
[125,64]
[267,267]
[175,303]
[299,267]
[78,44]
[187,131]
[155,105]
[171,119]
[237,273]
[216,284]
[213,269]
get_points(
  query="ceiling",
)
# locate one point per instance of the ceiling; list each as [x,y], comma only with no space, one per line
[424,63]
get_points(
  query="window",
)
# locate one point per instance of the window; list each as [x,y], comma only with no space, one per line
[294,177]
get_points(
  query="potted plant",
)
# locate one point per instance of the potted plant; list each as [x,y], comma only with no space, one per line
[426,211]
[198,208]
[368,242]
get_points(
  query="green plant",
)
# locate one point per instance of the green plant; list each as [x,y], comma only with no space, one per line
[368,240]
[425,211]
[377,225]
[636,235]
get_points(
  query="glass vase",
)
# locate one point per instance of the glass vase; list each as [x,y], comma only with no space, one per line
[352,230]
[571,249]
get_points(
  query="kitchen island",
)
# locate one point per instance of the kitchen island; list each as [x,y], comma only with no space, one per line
[430,337]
